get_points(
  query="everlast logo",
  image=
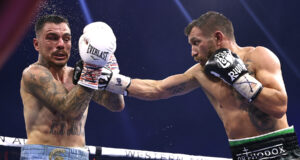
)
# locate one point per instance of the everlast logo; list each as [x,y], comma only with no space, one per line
[94,51]
[263,153]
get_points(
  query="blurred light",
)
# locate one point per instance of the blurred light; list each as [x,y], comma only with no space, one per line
[86,12]
[183,10]
[271,39]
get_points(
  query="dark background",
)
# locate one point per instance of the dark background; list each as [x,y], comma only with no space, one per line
[151,44]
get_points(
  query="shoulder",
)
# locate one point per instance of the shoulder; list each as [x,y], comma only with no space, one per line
[196,73]
[35,69]
[35,73]
[263,58]
[195,68]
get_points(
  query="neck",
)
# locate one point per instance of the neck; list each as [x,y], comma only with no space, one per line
[232,46]
[57,71]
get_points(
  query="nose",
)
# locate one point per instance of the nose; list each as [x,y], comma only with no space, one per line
[194,52]
[60,43]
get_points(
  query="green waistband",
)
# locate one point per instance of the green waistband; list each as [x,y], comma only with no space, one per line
[236,142]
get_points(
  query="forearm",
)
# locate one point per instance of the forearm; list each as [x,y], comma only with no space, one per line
[272,102]
[76,101]
[113,102]
[145,90]
[162,89]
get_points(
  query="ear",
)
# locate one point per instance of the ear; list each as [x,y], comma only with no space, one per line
[219,36]
[36,44]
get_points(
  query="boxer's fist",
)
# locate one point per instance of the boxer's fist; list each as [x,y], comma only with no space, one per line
[232,70]
[97,43]
[225,65]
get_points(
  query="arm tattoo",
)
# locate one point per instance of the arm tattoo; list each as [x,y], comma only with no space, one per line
[107,99]
[55,96]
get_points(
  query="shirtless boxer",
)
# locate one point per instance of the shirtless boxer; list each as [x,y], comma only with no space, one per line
[244,85]
[55,110]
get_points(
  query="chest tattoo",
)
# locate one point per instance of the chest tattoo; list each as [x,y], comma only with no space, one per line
[259,119]
[71,128]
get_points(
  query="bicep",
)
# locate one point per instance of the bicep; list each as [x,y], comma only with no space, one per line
[271,79]
[268,71]
[41,84]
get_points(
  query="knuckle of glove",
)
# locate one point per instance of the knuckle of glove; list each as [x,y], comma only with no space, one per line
[225,65]
[97,44]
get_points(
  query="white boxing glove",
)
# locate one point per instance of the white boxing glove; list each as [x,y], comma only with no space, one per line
[95,49]
[112,64]
[99,26]
[96,46]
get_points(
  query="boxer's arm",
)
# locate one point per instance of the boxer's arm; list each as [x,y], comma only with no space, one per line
[41,84]
[273,97]
[111,101]
[162,89]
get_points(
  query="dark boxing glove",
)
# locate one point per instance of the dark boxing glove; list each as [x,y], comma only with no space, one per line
[232,70]
[77,71]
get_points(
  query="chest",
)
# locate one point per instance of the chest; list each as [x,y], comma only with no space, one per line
[68,84]
[66,80]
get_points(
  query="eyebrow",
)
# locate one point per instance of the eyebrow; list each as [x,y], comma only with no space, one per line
[52,33]
[67,34]
[193,39]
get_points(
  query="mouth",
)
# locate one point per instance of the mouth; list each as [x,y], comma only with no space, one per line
[60,55]
[202,61]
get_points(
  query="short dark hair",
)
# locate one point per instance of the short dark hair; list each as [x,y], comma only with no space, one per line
[210,22]
[52,18]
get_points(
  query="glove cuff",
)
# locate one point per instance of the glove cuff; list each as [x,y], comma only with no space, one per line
[118,84]
[89,76]
[248,87]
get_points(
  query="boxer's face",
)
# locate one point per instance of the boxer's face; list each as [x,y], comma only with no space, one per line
[202,46]
[54,43]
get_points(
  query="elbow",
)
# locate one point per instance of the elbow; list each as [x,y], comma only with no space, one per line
[117,107]
[281,111]
[282,108]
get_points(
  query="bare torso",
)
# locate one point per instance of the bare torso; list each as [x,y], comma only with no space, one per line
[49,127]
[239,118]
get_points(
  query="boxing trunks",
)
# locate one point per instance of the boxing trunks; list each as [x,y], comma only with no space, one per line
[278,145]
[38,152]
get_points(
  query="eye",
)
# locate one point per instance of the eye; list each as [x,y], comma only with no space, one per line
[52,37]
[67,38]
[197,42]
